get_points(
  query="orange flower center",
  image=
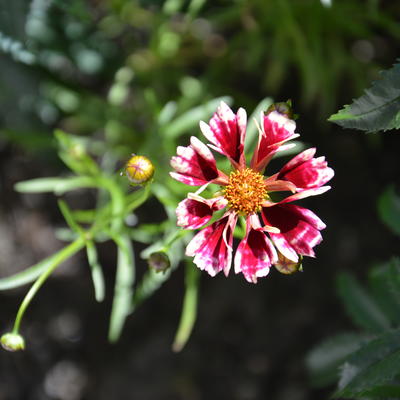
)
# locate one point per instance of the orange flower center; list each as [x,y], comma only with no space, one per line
[245,191]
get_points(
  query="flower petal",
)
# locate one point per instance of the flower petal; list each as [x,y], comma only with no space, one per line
[212,246]
[193,213]
[307,172]
[254,255]
[276,129]
[194,165]
[226,131]
[299,229]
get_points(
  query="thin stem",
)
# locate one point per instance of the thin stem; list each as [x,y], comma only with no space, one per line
[67,252]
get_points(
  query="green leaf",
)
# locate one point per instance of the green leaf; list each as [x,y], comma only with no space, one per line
[324,360]
[189,308]
[373,365]
[384,281]
[67,214]
[389,209]
[28,275]
[123,290]
[191,118]
[97,272]
[360,306]
[55,185]
[378,109]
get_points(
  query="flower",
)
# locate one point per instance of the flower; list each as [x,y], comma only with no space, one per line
[277,232]
[139,170]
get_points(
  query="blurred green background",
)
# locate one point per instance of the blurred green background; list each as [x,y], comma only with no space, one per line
[132,76]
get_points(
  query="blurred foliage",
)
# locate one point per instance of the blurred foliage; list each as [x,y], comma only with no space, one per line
[107,68]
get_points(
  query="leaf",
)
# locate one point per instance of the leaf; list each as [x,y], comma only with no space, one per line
[28,275]
[373,365]
[378,109]
[360,306]
[389,209]
[97,272]
[324,360]
[191,118]
[123,290]
[384,281]
[189,308]
[67,214]
[55,185]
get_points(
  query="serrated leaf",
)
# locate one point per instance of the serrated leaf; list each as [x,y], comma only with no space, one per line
[373,365]
[389,209]
[191,118]
[384,281]
[123,290]
[360,306]
[324,360]
[378,109]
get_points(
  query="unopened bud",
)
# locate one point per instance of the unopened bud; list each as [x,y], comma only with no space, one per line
[284,107]
[139,169]
[12,342]
[159,261]
[286,266]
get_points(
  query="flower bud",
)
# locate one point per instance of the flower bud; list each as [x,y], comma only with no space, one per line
[12,342]
[139,169]
[284,107]
[159,261]
[286,266]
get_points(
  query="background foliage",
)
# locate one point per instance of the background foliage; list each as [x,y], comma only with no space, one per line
[136,76]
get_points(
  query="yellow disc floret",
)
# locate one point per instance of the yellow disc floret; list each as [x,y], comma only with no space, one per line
[245,191]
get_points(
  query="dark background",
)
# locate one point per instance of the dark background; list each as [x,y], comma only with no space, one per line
[249,341]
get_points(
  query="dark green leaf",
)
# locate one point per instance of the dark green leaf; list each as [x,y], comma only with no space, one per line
[389,209]
[360,306]
[384,281]
[324,360]
[374,364]
[378,109]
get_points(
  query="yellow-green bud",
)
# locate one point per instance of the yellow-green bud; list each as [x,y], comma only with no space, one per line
[139,169]
[159,261]
[12,342]
[286,266]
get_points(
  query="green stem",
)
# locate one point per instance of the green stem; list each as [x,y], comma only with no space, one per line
[67,252]
[189,309]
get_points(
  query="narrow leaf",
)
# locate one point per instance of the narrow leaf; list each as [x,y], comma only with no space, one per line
[189,308]
[123,290]
[54,185]
[389,209]
[67,214]
[360,305]
[97,272]
[378,109]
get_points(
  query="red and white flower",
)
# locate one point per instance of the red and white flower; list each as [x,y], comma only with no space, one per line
[285,231]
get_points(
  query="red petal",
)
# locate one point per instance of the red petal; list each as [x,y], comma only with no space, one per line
[227,132]
[299,229]
[212,247]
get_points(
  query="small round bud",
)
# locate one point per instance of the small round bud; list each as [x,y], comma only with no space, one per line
[284,107]
[139,169]
[159,261]
[12,342]
[286,266]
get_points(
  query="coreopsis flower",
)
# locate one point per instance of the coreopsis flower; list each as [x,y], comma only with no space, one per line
[278,232]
